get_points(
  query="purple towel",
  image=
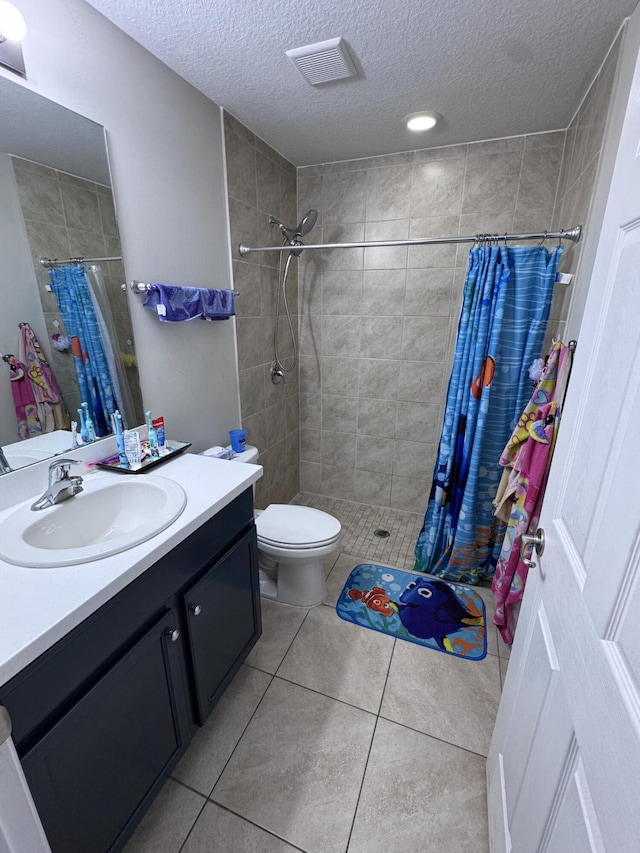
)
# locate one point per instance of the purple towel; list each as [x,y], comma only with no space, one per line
[218,304]
[174,304]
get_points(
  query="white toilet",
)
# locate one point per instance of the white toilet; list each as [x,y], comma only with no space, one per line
[292,540]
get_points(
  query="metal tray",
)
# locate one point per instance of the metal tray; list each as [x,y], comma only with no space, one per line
[173,448]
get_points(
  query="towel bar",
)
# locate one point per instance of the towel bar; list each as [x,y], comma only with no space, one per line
[143,286]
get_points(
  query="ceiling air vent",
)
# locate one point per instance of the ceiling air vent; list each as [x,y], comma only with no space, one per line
[323,62]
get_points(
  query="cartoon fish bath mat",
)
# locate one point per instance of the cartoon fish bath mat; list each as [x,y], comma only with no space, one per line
[440,615]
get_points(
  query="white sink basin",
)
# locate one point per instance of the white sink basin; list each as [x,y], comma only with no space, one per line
[109,516]
[18,459]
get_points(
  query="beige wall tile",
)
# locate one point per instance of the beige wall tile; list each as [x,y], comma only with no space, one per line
[372,488]
[383,292]
[343,197]
[339,414]
[339,376]
[388,192]
[339,449]
[437,188]
[392,386]
[261,182]
[379,378]
[491,183]
[374,454]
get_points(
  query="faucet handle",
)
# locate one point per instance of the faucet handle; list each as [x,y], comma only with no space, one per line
[59,469]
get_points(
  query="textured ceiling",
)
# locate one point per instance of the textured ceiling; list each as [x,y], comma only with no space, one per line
[492,68]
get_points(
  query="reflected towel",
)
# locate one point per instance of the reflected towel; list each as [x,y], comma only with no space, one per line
[174,304]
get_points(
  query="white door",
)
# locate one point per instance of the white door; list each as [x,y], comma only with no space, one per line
[564,765]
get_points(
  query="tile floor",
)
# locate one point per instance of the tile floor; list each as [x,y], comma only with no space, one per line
[333,738]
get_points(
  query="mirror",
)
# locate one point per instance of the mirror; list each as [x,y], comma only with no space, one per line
[56,203]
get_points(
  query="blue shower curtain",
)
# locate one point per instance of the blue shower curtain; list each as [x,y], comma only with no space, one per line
[506,304]
[97,385]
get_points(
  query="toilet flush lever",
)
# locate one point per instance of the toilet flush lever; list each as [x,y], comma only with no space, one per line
[537,540]
[195,609]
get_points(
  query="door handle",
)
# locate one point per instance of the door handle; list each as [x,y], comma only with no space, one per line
[537,540]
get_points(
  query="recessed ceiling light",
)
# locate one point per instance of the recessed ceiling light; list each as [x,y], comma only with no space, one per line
[424,120]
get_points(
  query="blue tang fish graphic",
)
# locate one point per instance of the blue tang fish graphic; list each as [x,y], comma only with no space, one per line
[431,609]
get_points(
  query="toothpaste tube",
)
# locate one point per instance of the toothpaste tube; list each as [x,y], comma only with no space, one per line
[158,425]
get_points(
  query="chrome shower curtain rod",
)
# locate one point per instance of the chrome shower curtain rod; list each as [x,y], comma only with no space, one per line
[55,262]
[572,234]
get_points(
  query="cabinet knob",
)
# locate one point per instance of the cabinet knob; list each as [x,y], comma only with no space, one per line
[173,634]
[195,609]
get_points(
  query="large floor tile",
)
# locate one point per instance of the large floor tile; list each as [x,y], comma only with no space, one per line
[219,831]
[280,624]
[442,695]
[298,767]
[167,823]
[212,745]
[420,795]
[338,577]
[339,659]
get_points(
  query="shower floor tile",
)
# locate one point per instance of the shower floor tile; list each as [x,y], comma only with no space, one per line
[359,523]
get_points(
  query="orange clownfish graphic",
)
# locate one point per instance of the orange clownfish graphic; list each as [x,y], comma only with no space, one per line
[375,599]
[483,379]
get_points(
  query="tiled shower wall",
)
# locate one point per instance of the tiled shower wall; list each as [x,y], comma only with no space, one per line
[583,147]
[68,217]
[261,182]
[377,325]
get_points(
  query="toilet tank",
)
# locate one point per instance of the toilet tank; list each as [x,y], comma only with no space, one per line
[250,454]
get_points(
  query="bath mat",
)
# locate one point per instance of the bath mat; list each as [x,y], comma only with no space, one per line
[440,615]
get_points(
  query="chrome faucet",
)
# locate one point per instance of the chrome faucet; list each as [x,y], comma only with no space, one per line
[61,486]
[5,468]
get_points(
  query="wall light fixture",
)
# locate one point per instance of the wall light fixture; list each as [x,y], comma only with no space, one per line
[12,30]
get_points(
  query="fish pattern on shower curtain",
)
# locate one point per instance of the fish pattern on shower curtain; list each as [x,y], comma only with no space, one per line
[506,303]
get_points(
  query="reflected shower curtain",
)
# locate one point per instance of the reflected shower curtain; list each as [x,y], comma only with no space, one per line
[505,310]
[109,335]
[97,383]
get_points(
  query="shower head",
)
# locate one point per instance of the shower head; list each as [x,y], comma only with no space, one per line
[290,234]
[307,222]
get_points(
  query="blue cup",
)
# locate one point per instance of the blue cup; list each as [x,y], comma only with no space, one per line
[238,438]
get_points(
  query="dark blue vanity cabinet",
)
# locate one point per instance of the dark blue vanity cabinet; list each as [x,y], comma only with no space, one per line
[101,718]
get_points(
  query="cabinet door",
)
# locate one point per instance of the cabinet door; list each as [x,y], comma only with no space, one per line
[93,769]
[223,615]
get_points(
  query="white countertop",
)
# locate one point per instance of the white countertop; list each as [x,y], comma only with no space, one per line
[39,606]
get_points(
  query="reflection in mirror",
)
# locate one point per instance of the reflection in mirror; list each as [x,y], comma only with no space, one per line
[56,203]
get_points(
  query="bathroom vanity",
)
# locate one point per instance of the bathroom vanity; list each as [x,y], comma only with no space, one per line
[102,715]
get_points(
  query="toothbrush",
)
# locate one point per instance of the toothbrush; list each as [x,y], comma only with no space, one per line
[152,436]
[84,435]
[117,418]
[91,431]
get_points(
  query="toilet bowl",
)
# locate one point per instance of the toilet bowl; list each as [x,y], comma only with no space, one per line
[292,541]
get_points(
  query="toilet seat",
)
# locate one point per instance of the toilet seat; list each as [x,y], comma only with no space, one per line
[296,528]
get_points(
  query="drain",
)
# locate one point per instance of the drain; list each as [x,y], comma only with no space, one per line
[381,534]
